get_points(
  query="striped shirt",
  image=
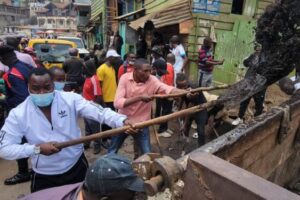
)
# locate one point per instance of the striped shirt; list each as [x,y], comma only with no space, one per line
[204,56]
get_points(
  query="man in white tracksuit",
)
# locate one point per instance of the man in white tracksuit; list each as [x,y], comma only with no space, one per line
[45,117]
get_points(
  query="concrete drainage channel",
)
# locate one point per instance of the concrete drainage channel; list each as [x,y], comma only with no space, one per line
[258,160]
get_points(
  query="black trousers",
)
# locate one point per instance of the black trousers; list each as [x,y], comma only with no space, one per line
[163,107]
[23,163]
[111,106]
[91,127]
[200,118]
[259,99]
[75,175]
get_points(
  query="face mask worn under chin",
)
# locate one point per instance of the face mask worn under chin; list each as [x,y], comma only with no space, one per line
[59,85]
[42,100]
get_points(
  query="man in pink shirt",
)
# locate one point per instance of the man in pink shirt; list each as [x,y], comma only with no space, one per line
[134,99]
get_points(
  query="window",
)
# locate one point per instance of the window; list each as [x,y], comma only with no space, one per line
[237,7]
[56,52]
[83,13]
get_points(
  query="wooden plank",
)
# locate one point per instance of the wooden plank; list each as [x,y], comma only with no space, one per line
[202,31]
[226,1]
[185,27]
[250,7]
[217,25]
[263,5]
[152,6]
[269,1]
[220,18]
[225,8]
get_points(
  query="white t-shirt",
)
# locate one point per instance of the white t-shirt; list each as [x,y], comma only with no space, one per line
[180,54]
[27,120]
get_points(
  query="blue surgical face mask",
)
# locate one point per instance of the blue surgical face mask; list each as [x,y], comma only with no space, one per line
[59,85]
[42,100]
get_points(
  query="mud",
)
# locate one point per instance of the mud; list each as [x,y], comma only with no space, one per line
[278,31]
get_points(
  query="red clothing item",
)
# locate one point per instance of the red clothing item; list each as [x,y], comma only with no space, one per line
[91,88]
[169,77]
[122,70]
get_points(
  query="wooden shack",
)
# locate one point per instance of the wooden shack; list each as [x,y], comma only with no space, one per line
[230,23]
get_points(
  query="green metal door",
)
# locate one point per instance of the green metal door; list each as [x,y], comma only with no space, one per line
[234,46]
[122,32]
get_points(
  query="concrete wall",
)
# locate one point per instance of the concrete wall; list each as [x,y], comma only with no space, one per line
[208,177]
[249,162]
[257,147]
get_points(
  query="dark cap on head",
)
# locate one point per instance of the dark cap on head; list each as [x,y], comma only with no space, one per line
[160,65]
[73,51]
[7,54]
[5,46]
[157,51]
[112,173]
[13,41]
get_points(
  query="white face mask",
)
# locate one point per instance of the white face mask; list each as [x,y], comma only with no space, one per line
[42,100]
[59,85]
[131,62]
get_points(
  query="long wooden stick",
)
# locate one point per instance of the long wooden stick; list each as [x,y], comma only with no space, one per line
[140,125]
[200,89]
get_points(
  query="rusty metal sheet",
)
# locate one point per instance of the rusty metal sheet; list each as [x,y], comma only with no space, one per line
[210,177]
[167,16]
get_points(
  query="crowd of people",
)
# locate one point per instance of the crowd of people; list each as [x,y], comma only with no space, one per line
[107,92]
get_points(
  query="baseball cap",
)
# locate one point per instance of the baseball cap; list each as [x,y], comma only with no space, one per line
[112,53]
[160,65]
[112,173]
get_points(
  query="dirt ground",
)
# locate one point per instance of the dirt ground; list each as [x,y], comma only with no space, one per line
[172,146]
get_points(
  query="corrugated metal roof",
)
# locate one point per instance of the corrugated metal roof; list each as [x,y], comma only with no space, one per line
[176,13]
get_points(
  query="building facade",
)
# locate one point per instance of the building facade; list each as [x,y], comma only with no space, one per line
[230,23]
[11,17]
[58,17]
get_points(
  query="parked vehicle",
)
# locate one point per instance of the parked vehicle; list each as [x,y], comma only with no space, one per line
[80,45]
[51,52]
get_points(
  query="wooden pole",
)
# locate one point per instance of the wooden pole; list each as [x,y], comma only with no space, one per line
[200,89]
[140,125]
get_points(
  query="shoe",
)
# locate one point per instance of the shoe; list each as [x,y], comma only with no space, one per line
[195,135]
[170,131]
[237,121]
[18,178]
[97,149]
[165,134]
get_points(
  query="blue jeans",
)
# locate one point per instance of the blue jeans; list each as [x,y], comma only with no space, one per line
[142,139]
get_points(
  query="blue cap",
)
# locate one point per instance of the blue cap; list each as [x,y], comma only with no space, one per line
[112,173]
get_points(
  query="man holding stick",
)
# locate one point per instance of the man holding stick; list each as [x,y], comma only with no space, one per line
[134,98]
[47,117]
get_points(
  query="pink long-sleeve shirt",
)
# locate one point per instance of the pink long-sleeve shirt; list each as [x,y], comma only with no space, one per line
[128,88]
